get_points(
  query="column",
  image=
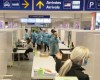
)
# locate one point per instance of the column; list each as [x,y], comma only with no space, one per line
[93,20]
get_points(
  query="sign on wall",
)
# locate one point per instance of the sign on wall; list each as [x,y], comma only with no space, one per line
[92,5]
[15,4]
[51,5]
[39,16]
[58,5]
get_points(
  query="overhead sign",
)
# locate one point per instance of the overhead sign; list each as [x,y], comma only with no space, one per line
[58,5]
[92,5]
[39,16]
[15,4]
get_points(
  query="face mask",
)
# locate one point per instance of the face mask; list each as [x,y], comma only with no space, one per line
[84,63]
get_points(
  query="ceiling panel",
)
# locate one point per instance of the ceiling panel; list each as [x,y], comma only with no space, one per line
[55,15]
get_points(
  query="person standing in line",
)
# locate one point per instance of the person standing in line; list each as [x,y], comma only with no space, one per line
[29,48]
[39,40]
[54,44]
[26,34]
[34,35]
[46,40]
[41,32]
[52,33]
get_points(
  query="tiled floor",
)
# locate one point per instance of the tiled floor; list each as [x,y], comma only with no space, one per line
[21,71]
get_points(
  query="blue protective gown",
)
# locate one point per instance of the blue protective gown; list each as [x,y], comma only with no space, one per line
[34,35]
[46,38]
[39,38]
[54,45]
[41,33]
[26,36]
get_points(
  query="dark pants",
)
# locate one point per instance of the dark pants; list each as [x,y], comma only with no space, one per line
[34,41]
[45,47]
[33,44]
[27,52]
[38,46]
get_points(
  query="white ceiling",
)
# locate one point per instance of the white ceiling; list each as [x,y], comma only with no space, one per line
[55,15]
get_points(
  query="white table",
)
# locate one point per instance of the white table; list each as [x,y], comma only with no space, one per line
[45,63]
[66,78]
[18,52]
[62,46]
[66,52]
[22,48]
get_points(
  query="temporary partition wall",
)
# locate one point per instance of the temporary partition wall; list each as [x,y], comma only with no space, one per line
[59,32]
[6,41]
[85,40]
[3,53]
[62,35]
[96,50]
[78,36]
[3,63]
[12,37]
[15,36]
[20,33]
[9,46]
[90,39]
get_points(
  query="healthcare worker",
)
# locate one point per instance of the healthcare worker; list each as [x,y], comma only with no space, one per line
[51,35]
[45,40]
[26,34]
[73,66]
[39,40]
[41,32]
[34,35]
[52,32]
[54,44]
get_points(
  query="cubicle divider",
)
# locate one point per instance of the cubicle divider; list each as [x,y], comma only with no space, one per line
[3,63]
[3,54]
[96,51]
[92,41]
[7,39]
[9,35]
[79,36]
[62,35]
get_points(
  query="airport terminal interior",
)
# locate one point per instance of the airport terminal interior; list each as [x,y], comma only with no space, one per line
[40,43]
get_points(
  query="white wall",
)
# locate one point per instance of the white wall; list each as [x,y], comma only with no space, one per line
[3,63]
[91,40]
[3,55]
[96,72]
[9,46]
[62,35]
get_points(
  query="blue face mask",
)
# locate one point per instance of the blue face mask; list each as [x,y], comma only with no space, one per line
[84,63]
